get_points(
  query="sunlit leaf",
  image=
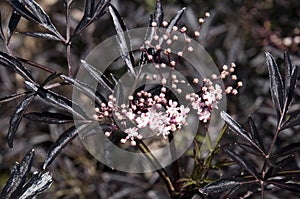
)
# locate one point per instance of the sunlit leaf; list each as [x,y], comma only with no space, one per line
[220,185]
[18,176]
[36,184]
[92,93]
[276,84]
[61,142]
[23,11]
[41,15]
[58,100]
[122,39]
[41,35]
[97,75]
[12,63]
[16,119]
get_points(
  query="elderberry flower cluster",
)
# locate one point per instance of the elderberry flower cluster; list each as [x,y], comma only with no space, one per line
[158,111]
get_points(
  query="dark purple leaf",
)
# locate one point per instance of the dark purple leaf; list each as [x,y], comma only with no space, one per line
[159,13]
[250,149]
[13,22]
[16,119]
[96,74]
[18,176]
[100,8]
[13,64]
[41,35]
[57,100]
[291,74]
[50,78]
[241,161]
[220,185]
[2,37]
[23,11]
[97,13]
[236,127]
[122,39]
[13,96]
[290,186]
[287,150]
[276,84]
[61,142]
[37,184]
[254,133]
[41,15]
[87,16]
[92,93]
[173,22]
[50,118]
[294,120]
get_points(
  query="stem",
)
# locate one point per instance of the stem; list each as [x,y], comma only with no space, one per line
[162,173]
[278,128]
[42,67]
[68,42]
[175,164]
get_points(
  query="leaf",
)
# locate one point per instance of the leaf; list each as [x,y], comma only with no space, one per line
[2,37]
[61,142]
[291,74]
[37,184]
[18,6]
[13,96]
[18,176]
[100,8]
[41,15]
[13,22]
[48,117]
[16,118]
[159,13]
[97,13]
[241,161]
[276,84]
[290,186]
[236,127]
[287,150]
[173,22]
[41,35]
[87,16]
[122,39]
[57,100]
[49,79]
[220,185]
[96,74]
[254,133]
[12,63]
[294,120]
[250,149]
[92,93]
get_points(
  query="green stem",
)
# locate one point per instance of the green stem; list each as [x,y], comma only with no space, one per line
[162,173]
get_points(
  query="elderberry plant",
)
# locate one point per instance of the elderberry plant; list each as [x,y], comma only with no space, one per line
[163,106]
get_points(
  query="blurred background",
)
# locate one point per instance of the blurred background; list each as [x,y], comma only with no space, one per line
[238,31]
